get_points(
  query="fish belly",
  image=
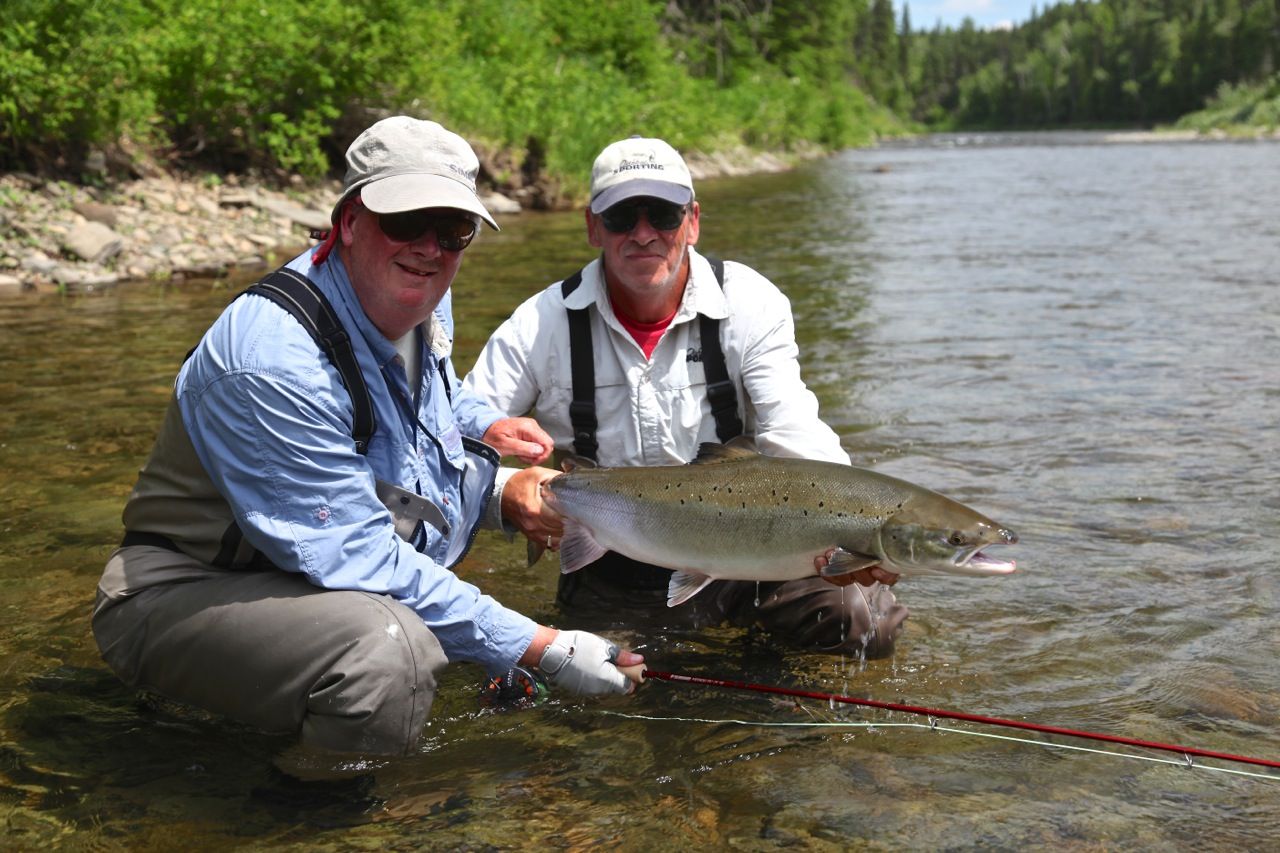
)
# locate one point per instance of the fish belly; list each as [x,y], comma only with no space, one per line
[701,539]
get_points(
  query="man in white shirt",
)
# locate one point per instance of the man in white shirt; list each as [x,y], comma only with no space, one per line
[651,350]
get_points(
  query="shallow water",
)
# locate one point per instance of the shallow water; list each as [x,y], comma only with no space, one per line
[1081,340]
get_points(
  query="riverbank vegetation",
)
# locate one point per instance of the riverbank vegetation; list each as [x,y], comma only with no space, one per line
[1092,63]
[285,84]
[280,87]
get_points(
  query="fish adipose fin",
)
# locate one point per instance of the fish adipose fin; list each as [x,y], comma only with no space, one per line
[578,547]
[741,447]
[843,562]
[684,587]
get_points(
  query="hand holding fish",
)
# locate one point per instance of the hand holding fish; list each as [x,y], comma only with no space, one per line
[523,506]
[522,438]
[866,577]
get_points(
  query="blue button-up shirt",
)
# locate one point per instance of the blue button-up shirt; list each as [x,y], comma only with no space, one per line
[271,421]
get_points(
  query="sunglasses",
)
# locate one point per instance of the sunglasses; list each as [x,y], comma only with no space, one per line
[453,231]
[662,215]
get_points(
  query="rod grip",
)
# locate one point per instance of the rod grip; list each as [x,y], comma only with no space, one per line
[635,672]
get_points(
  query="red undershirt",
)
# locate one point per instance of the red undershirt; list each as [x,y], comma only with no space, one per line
[645,334]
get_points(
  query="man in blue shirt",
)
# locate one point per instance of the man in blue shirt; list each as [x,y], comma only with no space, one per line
[281,571]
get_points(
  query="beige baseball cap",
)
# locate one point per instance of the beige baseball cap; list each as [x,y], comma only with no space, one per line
[403,163]
[639,167]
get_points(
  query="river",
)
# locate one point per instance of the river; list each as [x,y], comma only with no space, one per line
[1080,338]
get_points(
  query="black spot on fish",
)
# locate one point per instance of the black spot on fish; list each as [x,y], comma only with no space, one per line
[821,504]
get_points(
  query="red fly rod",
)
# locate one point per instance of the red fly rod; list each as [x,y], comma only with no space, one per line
[956,715]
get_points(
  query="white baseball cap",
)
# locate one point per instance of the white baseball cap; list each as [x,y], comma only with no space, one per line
[403,163]
[639,167]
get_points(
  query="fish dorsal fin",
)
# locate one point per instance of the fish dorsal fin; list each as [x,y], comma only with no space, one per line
[739,448]
[578,547]
[684,587]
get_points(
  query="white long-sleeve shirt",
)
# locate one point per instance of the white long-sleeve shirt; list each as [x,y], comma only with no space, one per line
[654,411]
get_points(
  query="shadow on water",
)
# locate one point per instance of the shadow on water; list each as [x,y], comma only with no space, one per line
[1024,327]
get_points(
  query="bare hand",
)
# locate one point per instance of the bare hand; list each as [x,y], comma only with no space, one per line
[521,438]
[523,507]
[866,577]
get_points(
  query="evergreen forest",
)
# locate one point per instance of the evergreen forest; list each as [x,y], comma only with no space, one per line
[280,86]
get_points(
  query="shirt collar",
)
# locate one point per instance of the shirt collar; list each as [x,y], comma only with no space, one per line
[702,295]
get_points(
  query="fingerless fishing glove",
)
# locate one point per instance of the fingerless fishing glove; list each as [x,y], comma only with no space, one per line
[584,664]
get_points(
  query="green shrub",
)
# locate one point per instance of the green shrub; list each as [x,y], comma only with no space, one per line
[285,84]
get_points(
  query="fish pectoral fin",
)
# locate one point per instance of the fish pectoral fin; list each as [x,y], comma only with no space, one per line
[572,463]
[710,453]
[684,587]
[534,550]
[843,562]
[578,547]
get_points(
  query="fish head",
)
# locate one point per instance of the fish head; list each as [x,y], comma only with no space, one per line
[937,535]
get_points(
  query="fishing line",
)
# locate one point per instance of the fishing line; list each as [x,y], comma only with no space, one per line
[934,727]
[1186,751]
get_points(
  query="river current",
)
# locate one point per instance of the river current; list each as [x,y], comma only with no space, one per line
[1078,336]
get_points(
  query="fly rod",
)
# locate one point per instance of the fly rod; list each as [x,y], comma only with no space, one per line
[957,715]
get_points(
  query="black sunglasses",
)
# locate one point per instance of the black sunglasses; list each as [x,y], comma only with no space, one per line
[453,232]
[662,215]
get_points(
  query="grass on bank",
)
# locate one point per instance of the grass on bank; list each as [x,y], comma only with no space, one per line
[1241,110]
[281,86]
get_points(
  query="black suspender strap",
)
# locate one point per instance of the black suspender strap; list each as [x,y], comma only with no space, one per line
[582,411]
[721,393]
[297,294]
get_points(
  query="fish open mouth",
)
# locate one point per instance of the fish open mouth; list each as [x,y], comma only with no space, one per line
[981,564]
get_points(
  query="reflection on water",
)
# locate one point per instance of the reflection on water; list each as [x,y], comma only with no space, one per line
[1080,340]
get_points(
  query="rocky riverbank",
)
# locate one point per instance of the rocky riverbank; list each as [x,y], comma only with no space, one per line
[59,236]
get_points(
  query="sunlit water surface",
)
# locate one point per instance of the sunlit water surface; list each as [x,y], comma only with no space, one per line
[1080,339]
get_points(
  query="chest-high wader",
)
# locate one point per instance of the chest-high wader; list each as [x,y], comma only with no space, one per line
[582,411]
[299,296]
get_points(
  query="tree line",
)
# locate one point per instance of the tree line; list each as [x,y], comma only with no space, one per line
[1095,62]
[283,85]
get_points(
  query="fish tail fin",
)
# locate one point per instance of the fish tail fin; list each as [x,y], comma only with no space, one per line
[685,586]
[578,547]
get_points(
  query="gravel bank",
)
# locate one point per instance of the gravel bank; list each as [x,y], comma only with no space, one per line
[58,236]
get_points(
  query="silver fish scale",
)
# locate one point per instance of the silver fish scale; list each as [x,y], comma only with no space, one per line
[754,518]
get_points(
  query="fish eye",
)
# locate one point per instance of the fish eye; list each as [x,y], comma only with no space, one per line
[956,539]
